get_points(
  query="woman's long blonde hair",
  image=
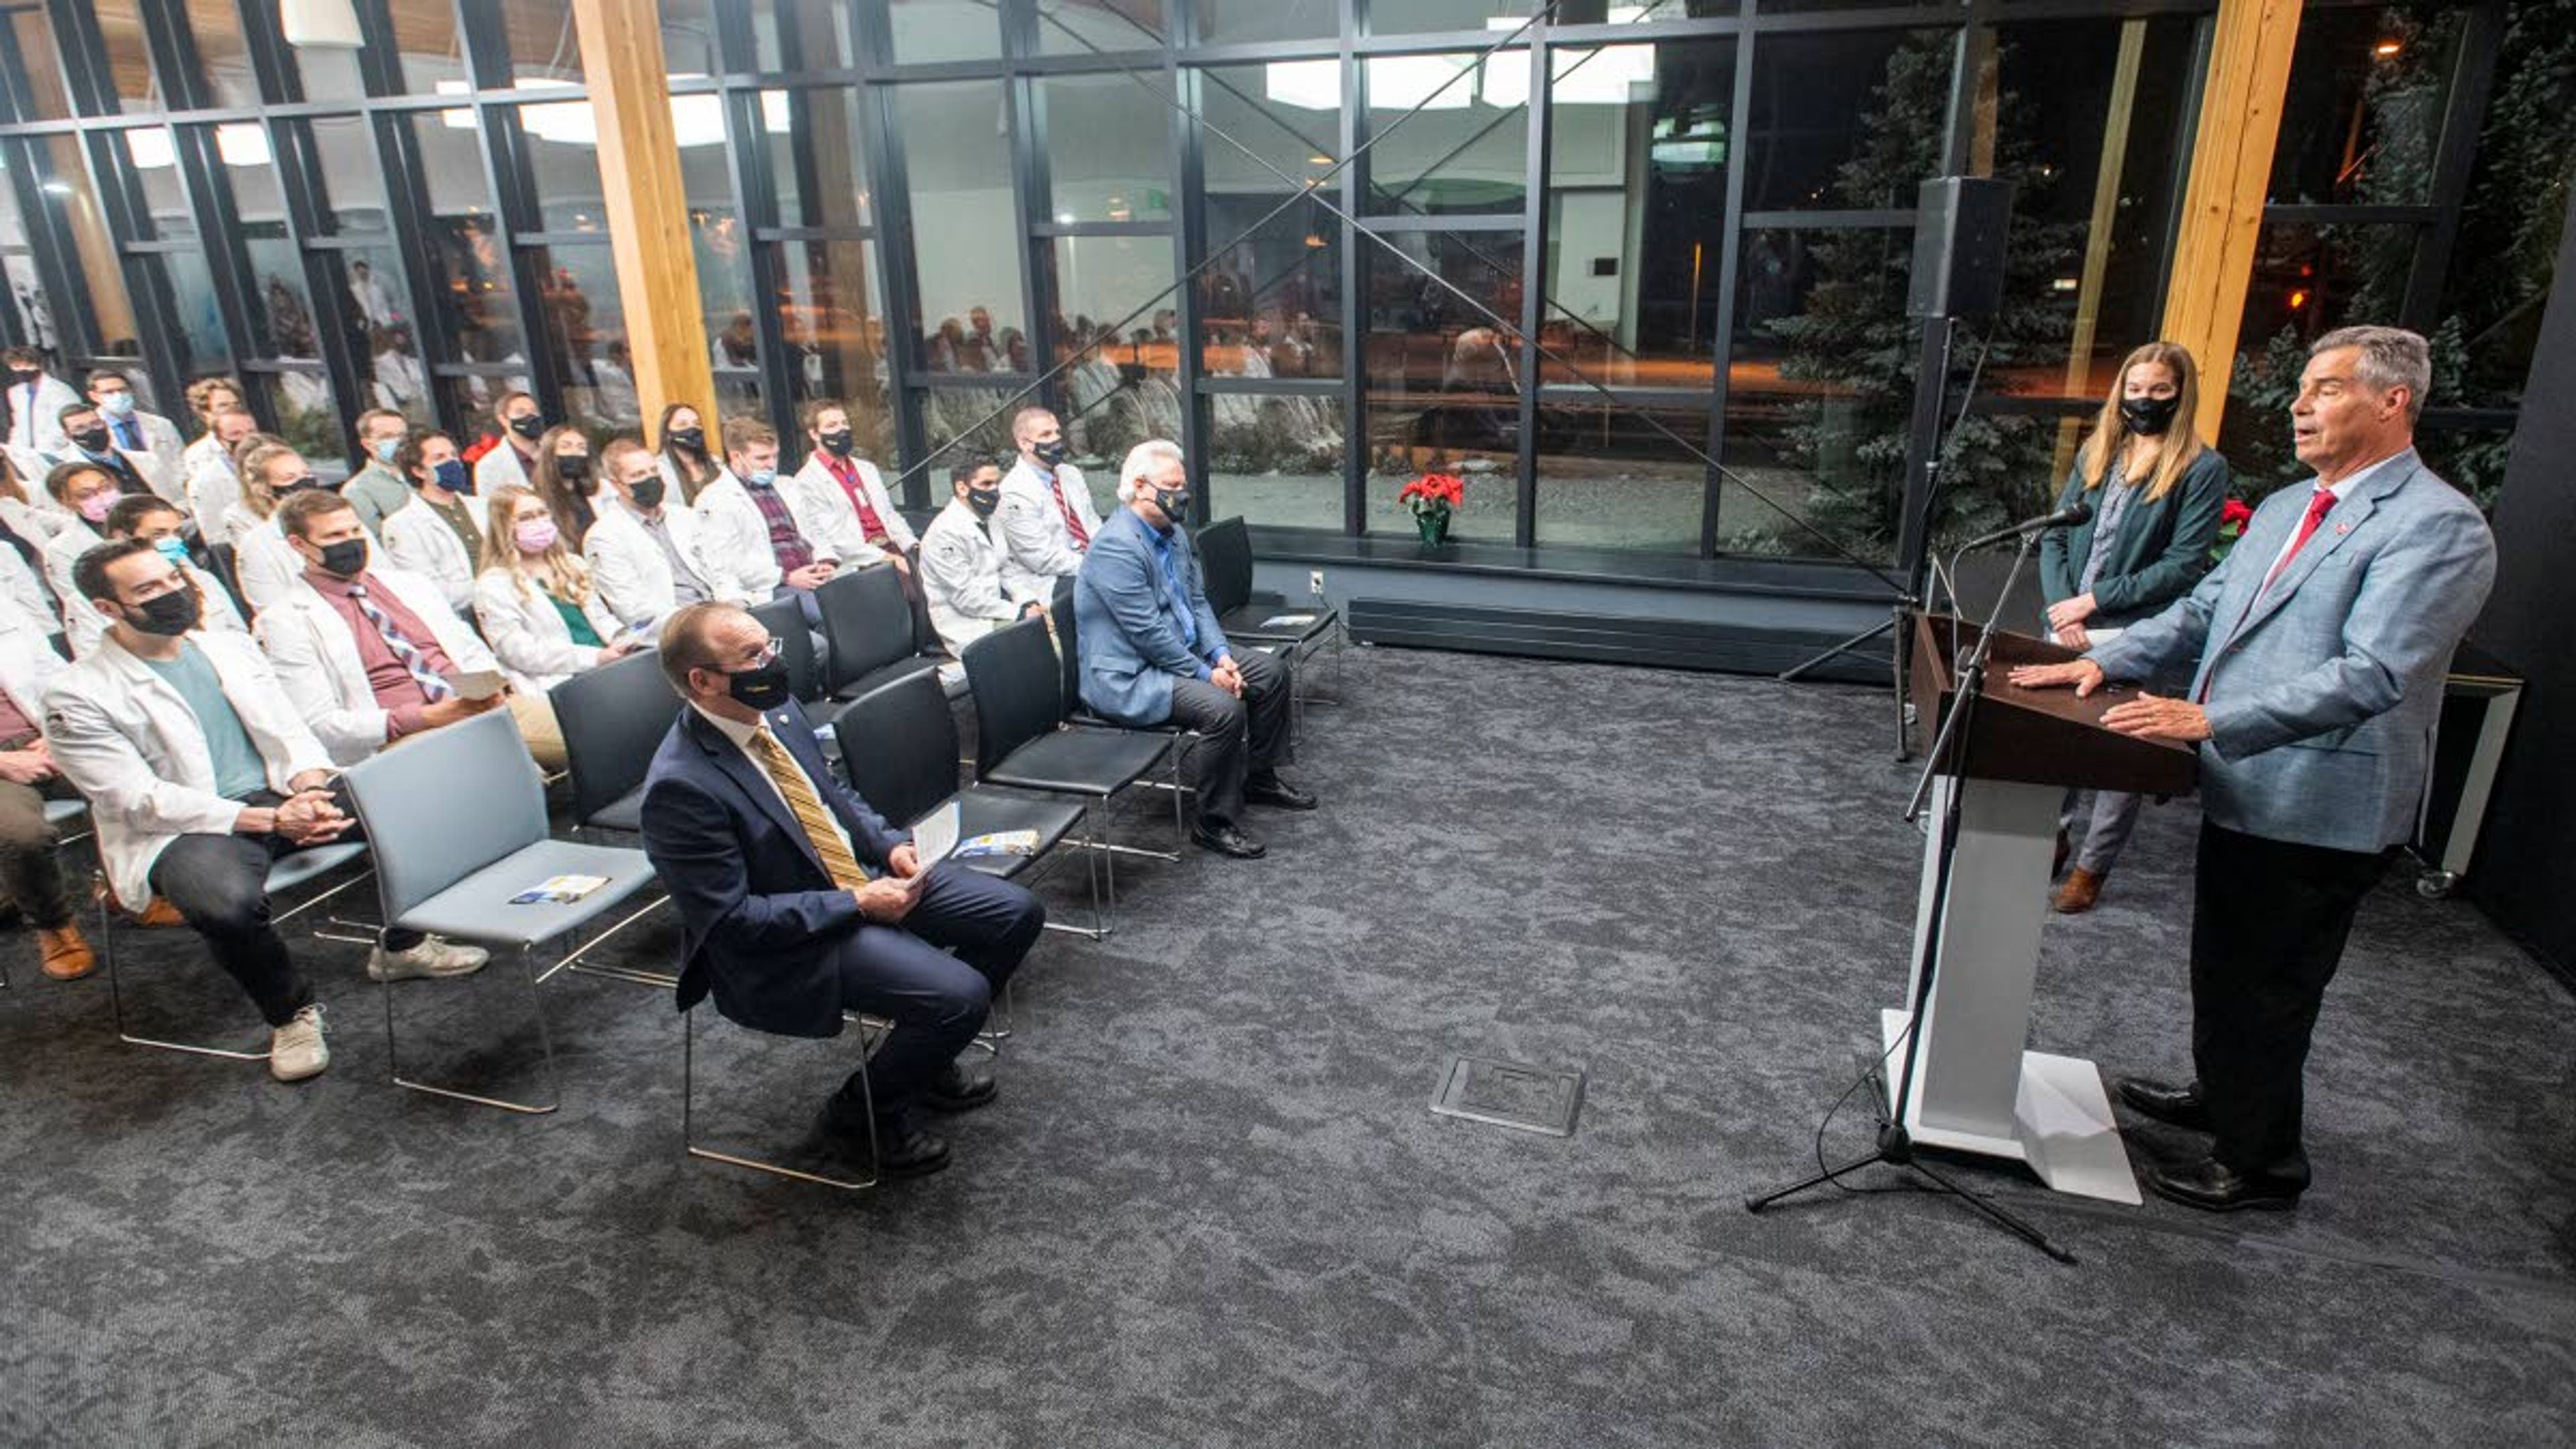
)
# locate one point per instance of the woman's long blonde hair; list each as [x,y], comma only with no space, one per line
[2175,451]
[566,577]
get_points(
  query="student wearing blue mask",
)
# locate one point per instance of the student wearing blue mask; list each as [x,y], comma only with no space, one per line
[149,441]
[756,529]
[155,522]
[438,534]
[378,489]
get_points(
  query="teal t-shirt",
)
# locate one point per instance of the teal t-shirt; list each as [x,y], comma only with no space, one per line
[577,623]
[239,771]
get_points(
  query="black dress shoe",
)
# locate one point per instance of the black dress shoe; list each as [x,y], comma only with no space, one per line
[2057,862]
[2213,1186]
[1228,840]
[2175,1106]
[1278,794]
[902,1150]
[959,1090]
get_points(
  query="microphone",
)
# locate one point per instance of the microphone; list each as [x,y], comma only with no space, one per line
[2067,517]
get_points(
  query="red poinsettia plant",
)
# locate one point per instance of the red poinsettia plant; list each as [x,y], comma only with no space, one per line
[1433,493]
[2232,518]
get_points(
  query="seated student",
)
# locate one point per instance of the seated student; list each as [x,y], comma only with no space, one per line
[1047,517]
[368,655]
[152,519]
[439,534]
[36,401]
[149,440]
[200,772]
[564,481]
[31,870]
[850,492]
[24,533]
[379,489]
[513,458]
[646,550]
[543,619]
[756,530]
[87,440]
[263,565]
[799,902]
[961,561]
[85,493]
[688,465]
[214,472]
[1152,653]
[207,396]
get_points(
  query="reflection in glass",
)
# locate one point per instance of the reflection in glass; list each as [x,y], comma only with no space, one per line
[432,58]
[586,336]
[1289,268]
[927,31]
[300,400]
[2364,109]
[1391,17]
[389,363]
[44,98]
[328,73]
[829,318]
[801,35]
[282,306]
[1444,383]
[1608,478]
[1636,216]
[1465,150]
[203,348]
[68,188]
[30,310]
[1088,27]
[473,277]
[1286,470]
[1846,119]
[975,421]
[223,53]
[965,256]
[1122,384]
[129,55]
[563,165]
[149,155]
[1109,149]
[543,45]
[1235,22]
[471,398]
[817,156]
[353,181]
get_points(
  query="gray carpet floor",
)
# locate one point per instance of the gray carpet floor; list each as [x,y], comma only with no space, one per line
[1212,1207]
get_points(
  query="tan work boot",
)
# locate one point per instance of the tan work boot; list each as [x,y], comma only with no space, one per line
[2076,896]
[66,953]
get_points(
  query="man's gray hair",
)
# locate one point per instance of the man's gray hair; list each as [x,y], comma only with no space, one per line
[1143,459]
[2390,357]
[1025,420]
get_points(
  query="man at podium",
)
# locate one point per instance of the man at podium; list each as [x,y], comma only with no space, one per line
[2321,644]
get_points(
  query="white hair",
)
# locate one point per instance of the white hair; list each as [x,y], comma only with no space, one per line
[1143,459]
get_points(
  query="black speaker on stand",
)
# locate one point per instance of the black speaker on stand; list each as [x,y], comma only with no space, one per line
[1960,227]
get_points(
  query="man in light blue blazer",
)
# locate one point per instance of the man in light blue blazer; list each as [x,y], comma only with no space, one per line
[1152,653]
[2321,642]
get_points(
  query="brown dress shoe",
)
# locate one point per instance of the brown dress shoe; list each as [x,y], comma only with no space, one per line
[157,915]
[2077,894]
[66,953]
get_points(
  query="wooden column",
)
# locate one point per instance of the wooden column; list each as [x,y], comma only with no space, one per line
[2240,119]
[647,209]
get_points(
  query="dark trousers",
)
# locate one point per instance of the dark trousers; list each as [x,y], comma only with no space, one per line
[936,1001]
[2269,919]
[30,870]
[1244,737]
[219,884]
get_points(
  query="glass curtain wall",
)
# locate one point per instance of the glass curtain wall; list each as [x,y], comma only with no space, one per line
[1327,246]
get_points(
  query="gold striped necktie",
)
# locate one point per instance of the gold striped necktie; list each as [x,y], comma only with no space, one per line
[820,829]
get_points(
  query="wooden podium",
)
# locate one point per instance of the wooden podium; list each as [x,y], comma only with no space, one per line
[1976,1088]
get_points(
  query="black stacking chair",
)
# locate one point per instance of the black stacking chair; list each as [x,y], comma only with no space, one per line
[1225,569]
[1069,662]
[1024,741]
[867,622]
[613,719]
[784,618]
[899,742]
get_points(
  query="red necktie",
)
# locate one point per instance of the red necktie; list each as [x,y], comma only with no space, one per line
[1072,521]
[2318,503]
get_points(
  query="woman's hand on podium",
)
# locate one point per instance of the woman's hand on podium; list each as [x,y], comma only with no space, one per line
[2084,674]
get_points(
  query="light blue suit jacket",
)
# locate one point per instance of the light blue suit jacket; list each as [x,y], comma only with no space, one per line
[2323,691]
[1128,627]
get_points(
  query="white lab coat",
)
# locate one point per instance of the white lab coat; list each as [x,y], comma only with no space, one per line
[499,468]
[128,742]
[527,633]
[816,478]
[735,534]
[265,565]
[215,495]
[161,458]
[418,540]
[674,489]
[24,595]
[1037,548]
[87,627]
[28,664]
[38,426]
[317,658]
[630,572]
[70,541]
[961,578]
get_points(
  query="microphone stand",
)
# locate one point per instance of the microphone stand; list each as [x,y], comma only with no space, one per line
[1895,1146]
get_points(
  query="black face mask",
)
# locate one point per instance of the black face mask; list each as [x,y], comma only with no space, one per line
[1175,503]
[2149,416]
[93,439]
[1050,453]
[347,558]
[648,493]
[167,615]
[763,687]
[573,469]
[531,426]
[984,501]
[693,439]
[838,444]
[25,375]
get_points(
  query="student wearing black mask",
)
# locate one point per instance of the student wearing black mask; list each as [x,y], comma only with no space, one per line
[2157,493]
[36,402]
[688,461]
[645,556]
[961,562]
[512,456]
[565,480]
[1048,517]
[800,903]
[86,439]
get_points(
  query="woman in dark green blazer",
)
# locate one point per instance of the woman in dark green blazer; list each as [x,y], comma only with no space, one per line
[2157,493]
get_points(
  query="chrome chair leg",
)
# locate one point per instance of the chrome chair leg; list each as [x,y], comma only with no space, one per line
[1098,930]
[688,1121]
[545,1043]
[116,1001]
[572,962]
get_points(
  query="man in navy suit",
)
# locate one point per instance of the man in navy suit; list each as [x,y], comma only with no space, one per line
[2321,643]
[1152,653]
[800,903]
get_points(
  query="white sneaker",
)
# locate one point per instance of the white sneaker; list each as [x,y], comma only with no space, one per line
[296,1050]
[434,956]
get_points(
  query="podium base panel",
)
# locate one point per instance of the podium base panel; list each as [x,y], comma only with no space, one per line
[2061,1127]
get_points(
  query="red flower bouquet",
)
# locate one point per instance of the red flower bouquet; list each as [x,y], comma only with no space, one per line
[1431,497]
[2232,519]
